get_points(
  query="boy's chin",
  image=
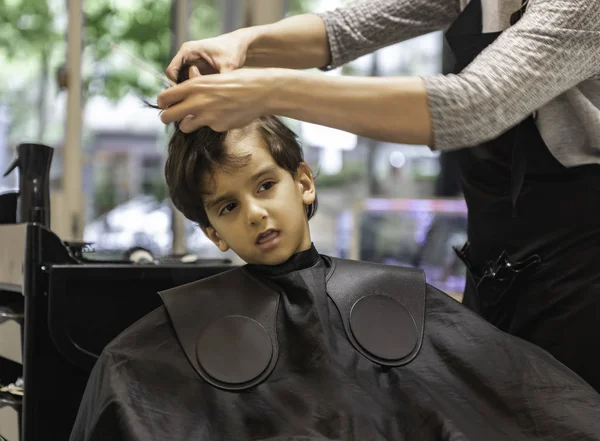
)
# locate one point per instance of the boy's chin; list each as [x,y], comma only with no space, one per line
[268,259]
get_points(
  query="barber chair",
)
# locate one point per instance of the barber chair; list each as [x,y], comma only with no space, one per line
[59,306]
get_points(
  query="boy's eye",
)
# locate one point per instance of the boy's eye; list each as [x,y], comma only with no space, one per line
[266,186]
[228,208]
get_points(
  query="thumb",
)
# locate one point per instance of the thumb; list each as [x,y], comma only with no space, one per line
[194,72]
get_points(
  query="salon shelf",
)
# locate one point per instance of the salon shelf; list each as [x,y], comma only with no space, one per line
[10,407]
[11,326]
[10,341]
[10,400]
[12,257]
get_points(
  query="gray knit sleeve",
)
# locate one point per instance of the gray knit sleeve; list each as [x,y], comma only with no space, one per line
[553,48]
[364,26]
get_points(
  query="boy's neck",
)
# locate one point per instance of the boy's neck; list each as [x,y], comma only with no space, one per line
[298,261]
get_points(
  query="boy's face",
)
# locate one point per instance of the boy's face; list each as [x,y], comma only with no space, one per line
[259,210]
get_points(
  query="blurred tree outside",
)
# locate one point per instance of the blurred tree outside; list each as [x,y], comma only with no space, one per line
[33,54]
[156,187]
[28,35]
[33,50]
[295,7]
[105,196]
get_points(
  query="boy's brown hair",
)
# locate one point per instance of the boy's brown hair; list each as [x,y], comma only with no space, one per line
[192,157]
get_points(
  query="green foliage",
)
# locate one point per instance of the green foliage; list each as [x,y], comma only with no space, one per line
[142,27]
[205,20]
[304,6]
[351,172]
[144,30]
[33,51]
[295,7]
[27,28]
[105,197]
[156,187]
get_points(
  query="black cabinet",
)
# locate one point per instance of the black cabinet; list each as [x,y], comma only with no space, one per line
[57,313]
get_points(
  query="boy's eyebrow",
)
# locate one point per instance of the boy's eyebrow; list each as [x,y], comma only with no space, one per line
[255,177]
[210,204]
[263,171]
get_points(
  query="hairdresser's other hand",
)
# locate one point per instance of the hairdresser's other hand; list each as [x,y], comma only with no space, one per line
[222,54]
[221,102]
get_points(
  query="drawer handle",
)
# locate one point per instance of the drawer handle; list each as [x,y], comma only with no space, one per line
[7,314]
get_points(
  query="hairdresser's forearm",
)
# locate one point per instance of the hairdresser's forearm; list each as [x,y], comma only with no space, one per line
[298,42]
[393,109]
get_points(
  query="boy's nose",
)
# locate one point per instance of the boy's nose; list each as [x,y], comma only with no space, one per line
[256,213]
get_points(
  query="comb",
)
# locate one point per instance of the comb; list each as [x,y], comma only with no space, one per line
[142,65]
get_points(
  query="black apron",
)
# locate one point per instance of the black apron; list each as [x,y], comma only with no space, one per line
[533,254]
[319,349]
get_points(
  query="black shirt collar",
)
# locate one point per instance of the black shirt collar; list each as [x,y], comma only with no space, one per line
[302,260]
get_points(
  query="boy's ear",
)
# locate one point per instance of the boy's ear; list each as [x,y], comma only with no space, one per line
[306,183]
[212,234]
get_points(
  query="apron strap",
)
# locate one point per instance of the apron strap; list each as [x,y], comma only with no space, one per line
[518,168]
[519,156]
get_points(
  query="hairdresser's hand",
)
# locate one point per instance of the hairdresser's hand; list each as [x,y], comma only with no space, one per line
[221,102]
[222,54]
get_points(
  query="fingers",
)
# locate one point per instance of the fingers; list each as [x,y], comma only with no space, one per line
[179,111]
[189,123]
[172,95]
[177,103]
[194,72]
[173,67]
[172,73]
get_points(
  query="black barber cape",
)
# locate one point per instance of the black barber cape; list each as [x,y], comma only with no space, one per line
[322,348]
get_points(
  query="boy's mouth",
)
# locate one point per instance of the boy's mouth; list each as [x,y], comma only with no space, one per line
[267,237]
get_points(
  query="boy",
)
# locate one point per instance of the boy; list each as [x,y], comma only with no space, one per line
[295,345]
